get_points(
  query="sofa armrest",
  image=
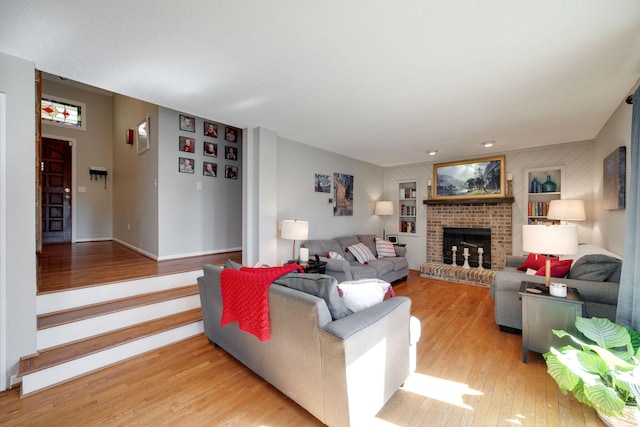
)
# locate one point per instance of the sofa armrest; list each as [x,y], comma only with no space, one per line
[339,265]
[400,250]
[373,343]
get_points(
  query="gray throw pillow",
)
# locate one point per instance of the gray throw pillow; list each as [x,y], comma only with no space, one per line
[595,267]
[232,264]
[320,285]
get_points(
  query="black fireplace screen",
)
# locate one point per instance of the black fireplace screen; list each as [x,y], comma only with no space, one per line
[476,240]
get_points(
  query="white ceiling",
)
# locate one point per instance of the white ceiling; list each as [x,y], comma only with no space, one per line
[380,81]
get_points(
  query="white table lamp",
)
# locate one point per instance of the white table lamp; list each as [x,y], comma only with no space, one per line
[292,229]
[567,210]
[550,240]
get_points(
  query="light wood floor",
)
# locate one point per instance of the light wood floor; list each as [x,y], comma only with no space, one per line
[468,374]
[76,265]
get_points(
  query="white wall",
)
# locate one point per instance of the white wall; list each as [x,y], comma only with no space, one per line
[92,209]
[197,214]
[297,165]
[611,224]
[17,215]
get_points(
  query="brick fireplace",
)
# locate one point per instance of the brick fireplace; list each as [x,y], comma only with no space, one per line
[494,214]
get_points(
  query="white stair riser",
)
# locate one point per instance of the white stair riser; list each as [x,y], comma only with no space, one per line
[69,332]
[66,371]
[48,303]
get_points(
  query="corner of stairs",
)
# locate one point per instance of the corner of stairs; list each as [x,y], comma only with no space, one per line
[76,341]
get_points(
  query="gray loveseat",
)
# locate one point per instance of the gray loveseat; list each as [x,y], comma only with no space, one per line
[595,273]
[387,269]
[341,371]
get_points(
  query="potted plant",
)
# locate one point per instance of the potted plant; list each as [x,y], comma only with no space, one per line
[604,372]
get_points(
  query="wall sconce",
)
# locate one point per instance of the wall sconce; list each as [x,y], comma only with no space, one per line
[129,136]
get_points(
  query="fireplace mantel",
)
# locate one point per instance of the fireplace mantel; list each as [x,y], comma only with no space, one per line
[485,200]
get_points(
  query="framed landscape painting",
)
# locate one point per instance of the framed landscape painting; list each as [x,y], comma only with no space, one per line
[470,179]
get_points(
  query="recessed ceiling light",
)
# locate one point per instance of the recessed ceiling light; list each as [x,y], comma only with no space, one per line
[432,152]
[488,144]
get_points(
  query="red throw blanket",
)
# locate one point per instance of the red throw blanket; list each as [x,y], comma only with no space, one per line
[245,297]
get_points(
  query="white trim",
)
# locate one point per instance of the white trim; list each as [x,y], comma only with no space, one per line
[83,113]
[74,205]
[174,256]
[3,245]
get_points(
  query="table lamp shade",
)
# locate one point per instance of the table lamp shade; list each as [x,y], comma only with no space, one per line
[292,229]
[550,239]
[567,210]
[384,207]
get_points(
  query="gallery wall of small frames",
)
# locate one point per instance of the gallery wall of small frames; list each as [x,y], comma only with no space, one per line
[219,143]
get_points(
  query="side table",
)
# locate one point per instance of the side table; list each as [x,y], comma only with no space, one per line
[318,267]
[542,312]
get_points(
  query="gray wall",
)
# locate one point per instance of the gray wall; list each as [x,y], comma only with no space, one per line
[17,213]
[196,214]
[91,210]
[297,165]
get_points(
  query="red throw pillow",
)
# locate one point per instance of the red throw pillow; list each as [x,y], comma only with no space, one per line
[534,262]
[559,268]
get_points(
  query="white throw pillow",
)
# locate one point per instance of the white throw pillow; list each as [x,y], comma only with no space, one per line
[362,253]
[385,249]
[360,294]
[335,255]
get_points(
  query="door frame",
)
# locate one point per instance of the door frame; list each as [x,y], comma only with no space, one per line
[72,142]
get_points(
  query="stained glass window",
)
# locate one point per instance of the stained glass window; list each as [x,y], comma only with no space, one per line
[61,112]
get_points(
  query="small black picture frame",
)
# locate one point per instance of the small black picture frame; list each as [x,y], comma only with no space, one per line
[231,171]
[187,123]
[185,165]
[209,169]
[210,129]
[393,238]
[186,144]
[231,134]
[230,153]
[210,149]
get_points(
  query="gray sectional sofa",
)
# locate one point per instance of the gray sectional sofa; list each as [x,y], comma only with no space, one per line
[595,273]
[341,370]
[387,269]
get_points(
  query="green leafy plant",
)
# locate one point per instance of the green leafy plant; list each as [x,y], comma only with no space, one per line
[604,372]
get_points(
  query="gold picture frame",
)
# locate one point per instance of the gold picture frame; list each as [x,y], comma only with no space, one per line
[470,179]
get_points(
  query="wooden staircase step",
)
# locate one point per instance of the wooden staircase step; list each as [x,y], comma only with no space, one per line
[72,351]
[62,317]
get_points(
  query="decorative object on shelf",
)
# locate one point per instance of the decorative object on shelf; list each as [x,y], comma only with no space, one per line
[292,229]
[509,185]
[548,186]
[454,249]
[558,289]
[343,194]
[566,210]
[535,186]
[614,179]
[470,179]
[550,240]
[143,135]
[605,355]
[480,252]
[384,208]
[465,254]
[429,195]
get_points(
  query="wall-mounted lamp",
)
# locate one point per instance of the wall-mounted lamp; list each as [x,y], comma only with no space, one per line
[129,136]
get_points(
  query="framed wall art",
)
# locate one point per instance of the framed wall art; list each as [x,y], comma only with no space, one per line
[343,194]
[185,165]
[210,129]
[231,134]
[186,144]
[614,179]
[209,169]
[210,149]
[322,183]
[187,123]
[231,172]
[230,153]
[470,179]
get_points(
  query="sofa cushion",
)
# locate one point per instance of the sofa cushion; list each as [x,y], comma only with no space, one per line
[382,266]
[361,252]
[361,294]
[322,247]
[359,271]
[320,285]
[345,242]
[335,255]
[399,263]
[534,262]
[385,249]
[559,268]
[595,267]
[370,241]
[232,264]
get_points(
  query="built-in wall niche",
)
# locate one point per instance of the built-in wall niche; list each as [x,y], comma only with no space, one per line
[407,206]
